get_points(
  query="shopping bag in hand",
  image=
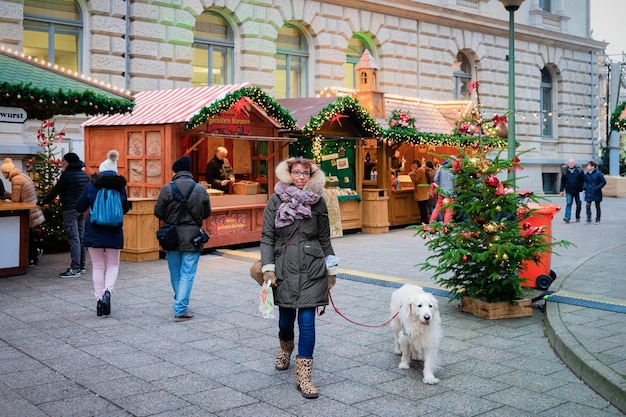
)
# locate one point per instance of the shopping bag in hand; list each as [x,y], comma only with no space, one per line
[266,301]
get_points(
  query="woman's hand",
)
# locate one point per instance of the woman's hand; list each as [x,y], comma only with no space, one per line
[270,276]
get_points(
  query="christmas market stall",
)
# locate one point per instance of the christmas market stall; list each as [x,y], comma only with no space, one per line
[333,133]
[33,94]
[168,124]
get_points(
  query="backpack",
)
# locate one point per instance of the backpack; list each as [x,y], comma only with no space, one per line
[107,208]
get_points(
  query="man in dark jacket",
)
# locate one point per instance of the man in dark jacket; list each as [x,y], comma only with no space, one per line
[572,176]
[219,173]
[69,187]
[183,261]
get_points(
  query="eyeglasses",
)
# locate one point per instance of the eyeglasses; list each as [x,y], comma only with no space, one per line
[305,174]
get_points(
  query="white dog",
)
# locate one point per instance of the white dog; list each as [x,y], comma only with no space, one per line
[417,328]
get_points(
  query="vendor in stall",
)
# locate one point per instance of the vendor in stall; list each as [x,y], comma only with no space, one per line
[219,174]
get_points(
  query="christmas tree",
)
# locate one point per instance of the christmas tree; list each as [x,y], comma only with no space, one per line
[480,252]
[45,168]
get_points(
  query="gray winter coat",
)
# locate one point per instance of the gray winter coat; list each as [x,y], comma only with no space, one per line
[302,277]
[198,209]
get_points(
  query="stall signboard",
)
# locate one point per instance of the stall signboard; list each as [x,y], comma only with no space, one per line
[231,122]
[225,224]
[12,115]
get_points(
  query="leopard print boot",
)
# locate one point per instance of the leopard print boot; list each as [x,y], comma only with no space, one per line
[284,355]
[304,369]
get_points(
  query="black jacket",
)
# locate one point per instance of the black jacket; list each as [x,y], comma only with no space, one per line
[216,171]
[198,209]
[69,187]
[572,180]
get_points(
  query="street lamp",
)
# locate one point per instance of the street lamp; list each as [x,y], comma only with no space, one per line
[511,6]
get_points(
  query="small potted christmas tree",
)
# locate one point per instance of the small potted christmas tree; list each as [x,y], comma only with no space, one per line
[479,254]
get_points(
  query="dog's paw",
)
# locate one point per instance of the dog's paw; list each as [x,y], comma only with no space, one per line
[403,365]
[431,380]
[397,350]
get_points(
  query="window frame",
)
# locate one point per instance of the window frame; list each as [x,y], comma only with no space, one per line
[546,90]
[288,53]
[226,47]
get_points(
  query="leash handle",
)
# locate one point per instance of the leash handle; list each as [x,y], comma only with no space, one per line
[354,322]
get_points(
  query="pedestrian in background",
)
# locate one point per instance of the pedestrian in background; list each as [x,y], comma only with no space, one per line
[298,259]
[69,187]
[183,261]
[444,183]
[104,242]
[420,189]
[430,176]
[592,186]
[23,190]
[572,177]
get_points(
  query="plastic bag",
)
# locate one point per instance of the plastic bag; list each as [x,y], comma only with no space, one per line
[266,301]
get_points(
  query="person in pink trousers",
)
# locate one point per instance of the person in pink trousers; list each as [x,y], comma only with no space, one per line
[104,242]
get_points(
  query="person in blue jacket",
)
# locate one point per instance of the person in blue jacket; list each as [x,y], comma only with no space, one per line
[104,242]
[592,187]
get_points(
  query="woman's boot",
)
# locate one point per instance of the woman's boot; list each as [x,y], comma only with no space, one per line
[284,355]
[304,369]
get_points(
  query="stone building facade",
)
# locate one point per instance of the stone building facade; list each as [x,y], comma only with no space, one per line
[148,45]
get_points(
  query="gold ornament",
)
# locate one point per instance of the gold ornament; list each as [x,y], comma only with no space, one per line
[498,209]
[505,256]
[490,227]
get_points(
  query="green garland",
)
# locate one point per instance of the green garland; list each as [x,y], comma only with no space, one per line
[348,106]
[413,137]
[617,123]
[261,98]
[42,103]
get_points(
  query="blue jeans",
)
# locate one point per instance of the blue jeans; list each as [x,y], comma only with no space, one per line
[306,327]
[183,266]
[74,225]
[569,199]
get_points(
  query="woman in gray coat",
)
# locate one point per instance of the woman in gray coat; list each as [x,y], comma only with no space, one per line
[299,260]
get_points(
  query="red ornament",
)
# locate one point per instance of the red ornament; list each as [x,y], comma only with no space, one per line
[7,95]
[464,258]
[54,103]
[492,181]
[446,231]
[474,145]
[526,225]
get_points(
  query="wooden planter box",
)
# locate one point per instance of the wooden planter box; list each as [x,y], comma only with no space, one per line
[499,310]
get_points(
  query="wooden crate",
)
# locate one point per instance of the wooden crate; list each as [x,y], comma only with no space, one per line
[499,310]
[245,188]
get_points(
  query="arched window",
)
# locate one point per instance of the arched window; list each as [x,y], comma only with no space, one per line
[546,103]
[213,47]
[292,62]
[356,46]
[53,32]
[462,73]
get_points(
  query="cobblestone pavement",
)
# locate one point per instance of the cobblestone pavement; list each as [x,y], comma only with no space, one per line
[58,359]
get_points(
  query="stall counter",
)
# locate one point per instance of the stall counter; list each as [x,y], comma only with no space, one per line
[14,226]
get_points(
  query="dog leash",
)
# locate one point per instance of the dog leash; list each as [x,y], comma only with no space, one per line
[354,322]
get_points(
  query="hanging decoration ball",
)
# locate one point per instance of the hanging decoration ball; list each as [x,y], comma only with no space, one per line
[496,238]
[446,231]
[7,95]
[423,235]
[526,225]
[537,258]
[464,258]
[32,98]
[19,96]
[491,227]
[41,100]
[445,200]
[498,209]
[505,256]
[75,101]
[54,103]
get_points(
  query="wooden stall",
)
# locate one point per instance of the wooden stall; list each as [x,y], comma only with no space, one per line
[14,226]
[333,132]
[167,124]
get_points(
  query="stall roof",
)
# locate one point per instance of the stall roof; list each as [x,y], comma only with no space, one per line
[167,106]
[437,117]
[302,109]
[44,90]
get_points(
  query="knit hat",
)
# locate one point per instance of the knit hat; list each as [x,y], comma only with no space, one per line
[110,164]
[182,164]
[7,166]
[71,157]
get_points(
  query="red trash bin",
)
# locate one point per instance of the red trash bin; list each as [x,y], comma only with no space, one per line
[539,275]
